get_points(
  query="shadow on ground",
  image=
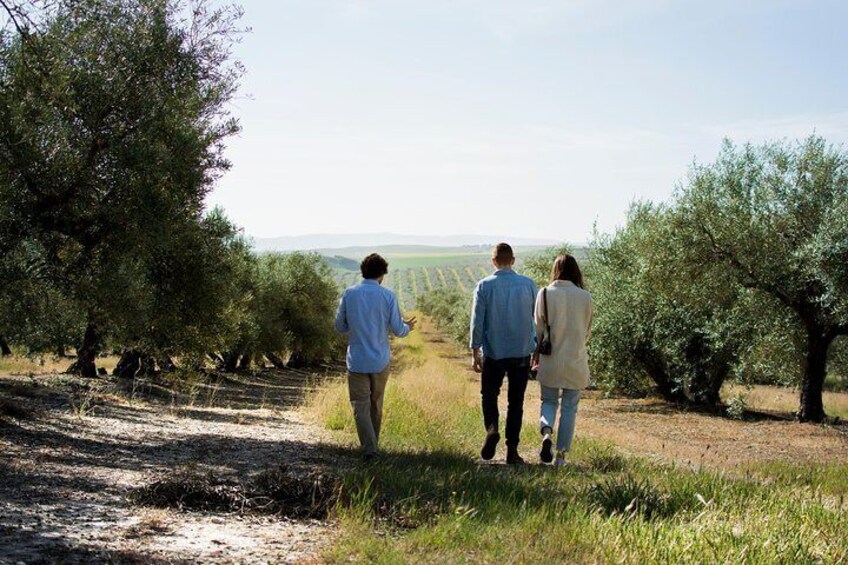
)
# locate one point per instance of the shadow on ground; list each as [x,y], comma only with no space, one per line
[64,479]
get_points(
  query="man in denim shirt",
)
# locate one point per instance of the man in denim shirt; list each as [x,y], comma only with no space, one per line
[367,312]
[502,338]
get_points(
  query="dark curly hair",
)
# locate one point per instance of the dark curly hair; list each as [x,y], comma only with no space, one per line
[373,267]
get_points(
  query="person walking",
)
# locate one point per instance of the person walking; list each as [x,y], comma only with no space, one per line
[367,312]
[502,340]
[563,318]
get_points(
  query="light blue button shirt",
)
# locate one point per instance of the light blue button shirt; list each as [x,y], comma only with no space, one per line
[502,315]
[366,313]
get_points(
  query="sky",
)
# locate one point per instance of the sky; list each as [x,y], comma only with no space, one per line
[526,118]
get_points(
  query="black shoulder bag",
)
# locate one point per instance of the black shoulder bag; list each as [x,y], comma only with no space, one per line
[545,346]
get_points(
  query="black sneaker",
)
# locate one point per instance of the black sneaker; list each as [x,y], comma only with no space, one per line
[513,458]
[547,452]
[488,451]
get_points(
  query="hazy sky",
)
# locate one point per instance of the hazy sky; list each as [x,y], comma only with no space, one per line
[520,118]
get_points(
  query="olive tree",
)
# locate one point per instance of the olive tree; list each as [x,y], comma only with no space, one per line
[653,321]
[113,115]
[773,219]
[285,314]
[538,266]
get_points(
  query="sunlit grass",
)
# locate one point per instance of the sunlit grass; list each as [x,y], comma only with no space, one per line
[783,399]
[46,364]
[430,500]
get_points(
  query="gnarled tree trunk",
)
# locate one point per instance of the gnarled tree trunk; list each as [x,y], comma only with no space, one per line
[230,360]
[135,363]
[4,347]
[86,354]
[709,371]
[815,370]
[128,364]
[276,360]
[244,362]
[657,368]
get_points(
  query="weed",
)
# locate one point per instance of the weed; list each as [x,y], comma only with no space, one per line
[604,459]
[736,406]
[275,491]
[83,399]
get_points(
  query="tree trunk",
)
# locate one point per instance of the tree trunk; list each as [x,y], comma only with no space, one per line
[4,347]
[812,381]
[657,369]
[275,360]
[231,359]
[86,354]
[244,362]
[297,360]
[135,363]
[128,365]
[709,371]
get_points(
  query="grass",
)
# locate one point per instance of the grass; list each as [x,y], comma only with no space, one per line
[22,365]
[782,399]
[429,500]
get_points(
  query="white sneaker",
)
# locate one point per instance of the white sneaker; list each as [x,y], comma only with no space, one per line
[560,459]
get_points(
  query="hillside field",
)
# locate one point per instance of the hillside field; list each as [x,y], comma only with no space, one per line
[414,270]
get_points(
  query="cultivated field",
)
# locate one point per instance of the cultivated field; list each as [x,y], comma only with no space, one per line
[413,271]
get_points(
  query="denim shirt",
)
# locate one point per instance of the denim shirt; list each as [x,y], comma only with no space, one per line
[367,311]
[502,315]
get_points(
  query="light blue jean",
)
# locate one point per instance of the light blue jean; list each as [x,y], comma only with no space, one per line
[567,401]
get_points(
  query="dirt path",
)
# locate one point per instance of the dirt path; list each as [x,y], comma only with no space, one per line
[656,429]
[64,479]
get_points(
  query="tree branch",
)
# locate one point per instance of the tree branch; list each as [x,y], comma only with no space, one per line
[754,281]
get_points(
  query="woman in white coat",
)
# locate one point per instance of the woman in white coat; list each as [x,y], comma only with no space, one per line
[563,372]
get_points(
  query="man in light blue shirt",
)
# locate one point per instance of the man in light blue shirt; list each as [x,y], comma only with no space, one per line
[367,312]
[503,336]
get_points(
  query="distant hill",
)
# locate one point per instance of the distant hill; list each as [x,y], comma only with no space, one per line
[334,242]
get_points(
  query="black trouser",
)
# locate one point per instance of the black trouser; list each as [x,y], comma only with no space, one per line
[517,371]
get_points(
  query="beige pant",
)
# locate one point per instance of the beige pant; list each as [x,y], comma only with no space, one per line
[366,397]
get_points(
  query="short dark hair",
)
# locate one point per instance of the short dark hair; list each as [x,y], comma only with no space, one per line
[566,269]
[373,267]
[502,253]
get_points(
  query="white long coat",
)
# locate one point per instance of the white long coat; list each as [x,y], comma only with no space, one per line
[570,315]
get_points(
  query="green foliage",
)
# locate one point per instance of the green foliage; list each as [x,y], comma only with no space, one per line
[282,307]
[742,274]
[295,304]
[538,267]
[451,309]
[773,219]
[651,322]
[113,116]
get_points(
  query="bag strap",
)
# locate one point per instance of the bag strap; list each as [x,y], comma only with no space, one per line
[545,303]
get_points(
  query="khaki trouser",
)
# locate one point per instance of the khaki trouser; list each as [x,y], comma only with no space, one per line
[366,397]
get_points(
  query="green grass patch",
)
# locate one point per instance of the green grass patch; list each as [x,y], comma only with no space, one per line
[428,499]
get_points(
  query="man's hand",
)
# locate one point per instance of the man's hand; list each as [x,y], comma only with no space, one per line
[476,361]
[411,323]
